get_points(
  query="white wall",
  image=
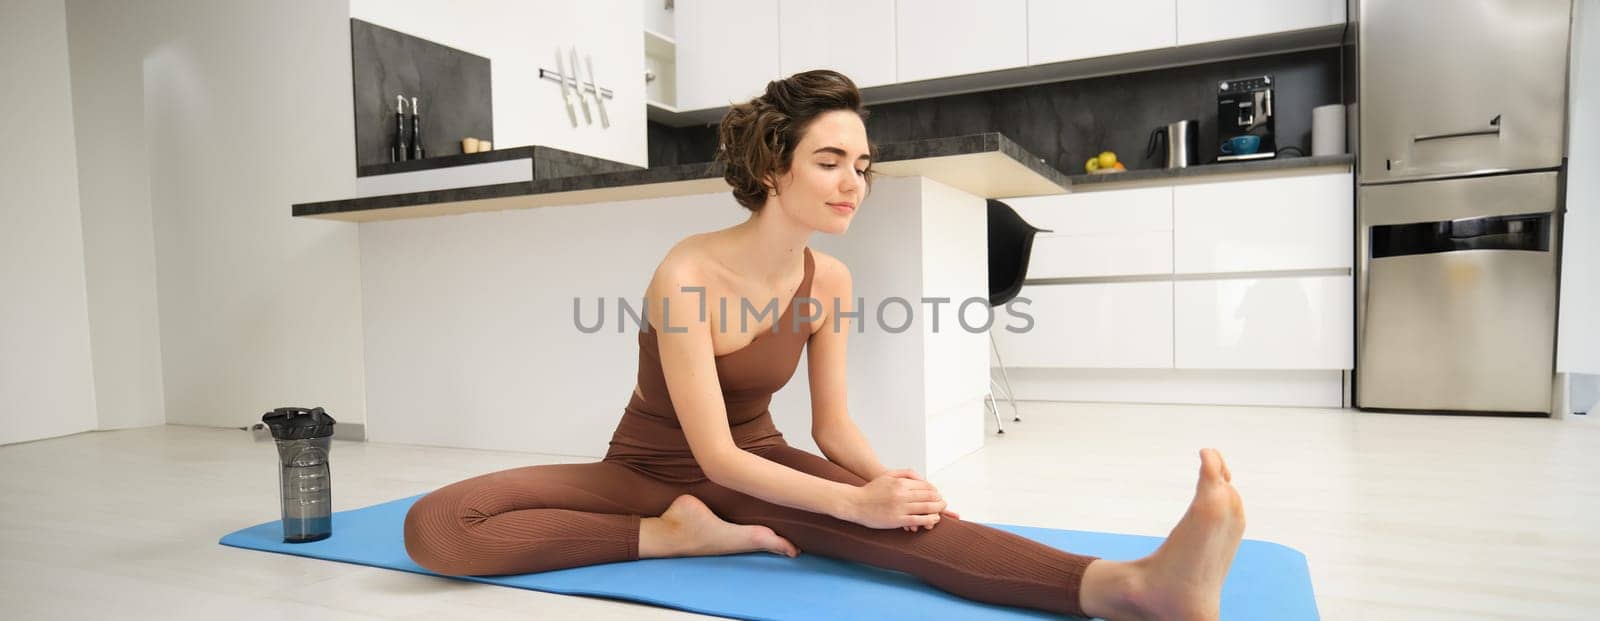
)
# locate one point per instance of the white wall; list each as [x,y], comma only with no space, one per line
[1579,348]
[519,37]
[46,381]
[114,191]
[243,109]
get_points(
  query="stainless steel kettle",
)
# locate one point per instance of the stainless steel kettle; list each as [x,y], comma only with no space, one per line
[1182,142]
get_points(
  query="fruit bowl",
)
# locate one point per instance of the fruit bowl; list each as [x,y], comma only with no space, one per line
[1103,164]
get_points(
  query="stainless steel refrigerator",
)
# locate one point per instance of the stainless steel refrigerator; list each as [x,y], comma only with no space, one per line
[1462,116]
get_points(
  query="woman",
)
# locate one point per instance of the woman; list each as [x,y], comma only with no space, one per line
[696,466]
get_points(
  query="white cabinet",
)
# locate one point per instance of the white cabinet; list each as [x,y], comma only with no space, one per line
[1114,233]
[1097,213]
[1109,325]
[1200,21]
[1248,274]
[1111,254]
[853,37]
[1061,30]
[942,38]
[1285,223]
[725,51]
[1264,323]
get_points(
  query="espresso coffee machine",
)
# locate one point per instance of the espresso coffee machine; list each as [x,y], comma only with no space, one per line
[1244,108]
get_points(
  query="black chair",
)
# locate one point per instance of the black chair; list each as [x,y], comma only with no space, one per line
[1010,245]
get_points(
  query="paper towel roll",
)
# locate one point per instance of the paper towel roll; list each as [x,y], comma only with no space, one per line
[1327,130]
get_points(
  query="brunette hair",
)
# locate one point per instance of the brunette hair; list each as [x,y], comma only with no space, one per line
[757,138]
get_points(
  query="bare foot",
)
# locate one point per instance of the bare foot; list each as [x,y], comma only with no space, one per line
[1183,578]
[696,531]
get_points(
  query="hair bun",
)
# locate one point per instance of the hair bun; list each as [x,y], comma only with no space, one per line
[756,138]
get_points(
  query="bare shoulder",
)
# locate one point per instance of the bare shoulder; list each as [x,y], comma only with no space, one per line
[686,263]
[683,270]
[831,286]
[831,275]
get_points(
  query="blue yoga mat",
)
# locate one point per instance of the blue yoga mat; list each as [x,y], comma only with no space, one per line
[1267,581]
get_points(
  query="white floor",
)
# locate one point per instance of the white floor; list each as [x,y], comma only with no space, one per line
[1402,517]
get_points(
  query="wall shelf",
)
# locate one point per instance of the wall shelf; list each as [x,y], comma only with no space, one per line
[660,89]
[660,45]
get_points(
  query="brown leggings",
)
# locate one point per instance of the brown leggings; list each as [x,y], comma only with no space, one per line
[540,518]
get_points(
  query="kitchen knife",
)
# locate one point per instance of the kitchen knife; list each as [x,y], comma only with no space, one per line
[599,99]
[566,95]
[583,99]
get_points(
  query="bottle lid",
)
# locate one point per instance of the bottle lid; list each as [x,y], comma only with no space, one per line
[299,423]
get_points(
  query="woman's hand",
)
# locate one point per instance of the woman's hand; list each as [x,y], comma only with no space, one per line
[945,513]
[896,499]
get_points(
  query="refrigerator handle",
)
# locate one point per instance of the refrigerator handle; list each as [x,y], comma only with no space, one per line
[1493,129]
[1529,231]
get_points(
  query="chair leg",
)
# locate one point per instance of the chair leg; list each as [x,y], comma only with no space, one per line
[996,392]
[988,404]
[1010,396]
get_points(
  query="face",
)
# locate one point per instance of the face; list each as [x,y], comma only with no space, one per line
[826,181]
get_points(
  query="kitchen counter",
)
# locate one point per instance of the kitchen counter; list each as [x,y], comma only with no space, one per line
[546,162]
[1087,182]
[987,165]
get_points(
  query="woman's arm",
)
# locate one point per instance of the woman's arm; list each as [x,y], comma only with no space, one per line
[689,367]
[836,434]
[844,444]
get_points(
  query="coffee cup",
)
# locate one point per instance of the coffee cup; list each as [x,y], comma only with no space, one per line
[1241,145]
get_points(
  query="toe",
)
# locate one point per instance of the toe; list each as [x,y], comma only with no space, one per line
[1211,465]
[775,544]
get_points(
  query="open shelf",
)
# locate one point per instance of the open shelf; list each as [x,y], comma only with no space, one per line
[660,45]
[660,93]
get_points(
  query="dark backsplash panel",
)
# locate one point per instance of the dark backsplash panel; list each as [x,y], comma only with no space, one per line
[452,88]
[1067,122]
[669,146]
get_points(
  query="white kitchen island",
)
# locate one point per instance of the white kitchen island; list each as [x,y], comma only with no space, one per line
[469,298]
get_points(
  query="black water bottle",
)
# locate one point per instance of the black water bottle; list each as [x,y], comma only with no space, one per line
[303,437]
[416,131]
[400,149]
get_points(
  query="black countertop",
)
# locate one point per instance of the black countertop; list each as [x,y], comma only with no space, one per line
[547,162]
[585,178]
[557,171]
[1087,181]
